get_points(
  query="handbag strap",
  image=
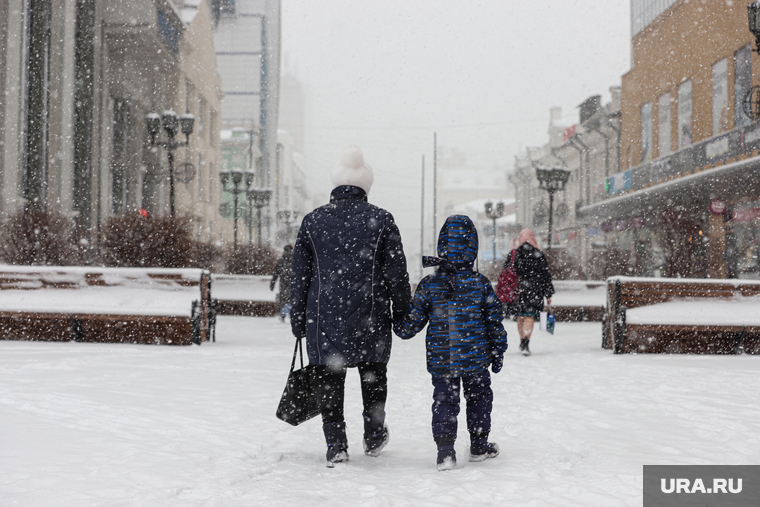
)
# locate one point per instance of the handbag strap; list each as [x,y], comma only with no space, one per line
[297,350]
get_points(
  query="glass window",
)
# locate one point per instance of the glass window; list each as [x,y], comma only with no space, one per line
[742,84]
[684,114]
[646,132]
[663,124]
[720,96]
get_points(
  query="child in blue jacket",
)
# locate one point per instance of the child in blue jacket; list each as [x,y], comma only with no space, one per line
[465,336]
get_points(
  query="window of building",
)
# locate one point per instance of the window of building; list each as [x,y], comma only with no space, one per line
[200,177]
[646,132]
[684,114]
[663,124]
[201,115]
[211,127]
[742,83]
[210,180]
[720,96]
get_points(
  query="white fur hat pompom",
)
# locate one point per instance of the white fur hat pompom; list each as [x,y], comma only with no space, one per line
[353,170]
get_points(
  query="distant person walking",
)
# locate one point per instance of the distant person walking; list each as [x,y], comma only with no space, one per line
[282,271]
[535,284]
[350,284]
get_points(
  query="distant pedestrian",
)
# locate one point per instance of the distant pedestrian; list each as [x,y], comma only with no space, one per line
[350,284]
[535,284]
[282,271]
[464,337]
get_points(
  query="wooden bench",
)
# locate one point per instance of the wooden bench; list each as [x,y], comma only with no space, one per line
[244,295]
[111,305]
[700,316]
[578,301]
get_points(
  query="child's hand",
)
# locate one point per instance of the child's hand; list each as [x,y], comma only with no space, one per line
[497,363]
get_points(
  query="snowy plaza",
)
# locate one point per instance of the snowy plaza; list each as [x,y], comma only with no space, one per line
[137,425]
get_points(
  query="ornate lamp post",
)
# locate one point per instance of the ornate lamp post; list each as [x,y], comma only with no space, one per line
[237,178]
[552,180]
[493,214]
[753,12]
[172,124]
[290,218]
[260,198]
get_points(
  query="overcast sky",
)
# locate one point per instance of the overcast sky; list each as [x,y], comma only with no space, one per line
[385,75]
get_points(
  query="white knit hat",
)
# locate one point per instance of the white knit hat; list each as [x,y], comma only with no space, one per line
[353,170]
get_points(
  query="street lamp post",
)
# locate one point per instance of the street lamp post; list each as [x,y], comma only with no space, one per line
[552,180]
[753,12]
[290,218]
[260,198]
[493,214]
[237,179]
[172,124]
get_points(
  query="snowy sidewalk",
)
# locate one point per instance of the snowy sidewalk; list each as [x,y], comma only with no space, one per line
[128,425]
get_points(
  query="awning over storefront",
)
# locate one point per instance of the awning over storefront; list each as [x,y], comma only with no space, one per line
[728,182]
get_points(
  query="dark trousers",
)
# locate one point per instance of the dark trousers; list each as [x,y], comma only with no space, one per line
[479,399]
[331,389]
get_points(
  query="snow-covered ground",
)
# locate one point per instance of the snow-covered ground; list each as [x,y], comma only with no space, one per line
[87,424]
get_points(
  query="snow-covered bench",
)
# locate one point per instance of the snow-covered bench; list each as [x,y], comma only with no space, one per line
[245,295]
[682,316]
[577,301]
[118,305]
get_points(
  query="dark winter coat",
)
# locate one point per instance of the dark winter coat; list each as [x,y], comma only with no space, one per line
[350,281]
[534,277]
[465,331]
[282,271]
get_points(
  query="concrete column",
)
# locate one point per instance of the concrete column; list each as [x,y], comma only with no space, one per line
[65,177]
[717,247]
[11,86]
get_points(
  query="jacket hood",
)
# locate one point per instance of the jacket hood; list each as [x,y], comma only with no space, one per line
[458,241]
[527,236]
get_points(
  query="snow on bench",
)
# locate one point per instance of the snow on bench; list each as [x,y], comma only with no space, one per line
[682,315]
[246,295]
[95,304]
[576,300]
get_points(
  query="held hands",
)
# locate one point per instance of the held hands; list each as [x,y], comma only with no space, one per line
[497,363]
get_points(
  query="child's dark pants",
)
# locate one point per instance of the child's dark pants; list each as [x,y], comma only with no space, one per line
[479,401]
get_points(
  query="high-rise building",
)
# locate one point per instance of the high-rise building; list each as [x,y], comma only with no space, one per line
[643,12]
[247,41]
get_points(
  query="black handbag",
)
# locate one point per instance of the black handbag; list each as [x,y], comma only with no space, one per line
[299,401]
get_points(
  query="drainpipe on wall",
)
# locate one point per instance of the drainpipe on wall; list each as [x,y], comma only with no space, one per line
[606,150]
[617,131]
[578,145]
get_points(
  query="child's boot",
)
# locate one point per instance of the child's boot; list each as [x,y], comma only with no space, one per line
[447,456]
[481,449]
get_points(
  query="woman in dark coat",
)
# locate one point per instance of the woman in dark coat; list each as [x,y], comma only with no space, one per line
[350,284]
[535,284]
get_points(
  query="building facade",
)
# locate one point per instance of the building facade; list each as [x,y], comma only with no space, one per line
[589,149]
[78,78]
[690,171]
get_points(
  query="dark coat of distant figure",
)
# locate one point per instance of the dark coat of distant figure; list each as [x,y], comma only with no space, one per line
[534,278]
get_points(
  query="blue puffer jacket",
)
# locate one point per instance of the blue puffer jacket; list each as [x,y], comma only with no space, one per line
[349,281]
[465,331]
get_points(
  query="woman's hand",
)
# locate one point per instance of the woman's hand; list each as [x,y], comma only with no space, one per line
[548,301]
